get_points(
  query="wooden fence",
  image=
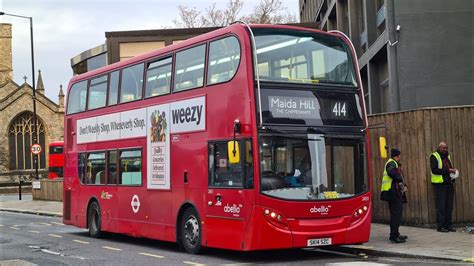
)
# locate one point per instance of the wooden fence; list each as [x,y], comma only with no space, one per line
[417,134]
[51,189]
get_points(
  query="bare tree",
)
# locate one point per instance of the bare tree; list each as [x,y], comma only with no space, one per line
[266,12]
[188,18]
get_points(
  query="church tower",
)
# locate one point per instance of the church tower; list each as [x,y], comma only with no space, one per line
[6,70]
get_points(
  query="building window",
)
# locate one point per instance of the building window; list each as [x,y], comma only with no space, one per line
[20,138]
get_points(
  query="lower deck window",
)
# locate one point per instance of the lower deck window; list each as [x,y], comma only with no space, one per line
[111,167]
[130,167]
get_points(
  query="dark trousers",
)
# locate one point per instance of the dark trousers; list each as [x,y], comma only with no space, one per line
[444,204]
[396,208]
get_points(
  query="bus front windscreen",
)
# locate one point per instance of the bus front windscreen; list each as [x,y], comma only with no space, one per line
[303,57]
[312,167]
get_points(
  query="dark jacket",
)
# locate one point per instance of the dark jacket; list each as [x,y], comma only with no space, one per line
[394,173]
[443,171]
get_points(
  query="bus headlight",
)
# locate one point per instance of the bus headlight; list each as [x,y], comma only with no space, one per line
[275,218]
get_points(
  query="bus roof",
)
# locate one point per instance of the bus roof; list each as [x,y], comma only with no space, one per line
[189,42]
[56,143]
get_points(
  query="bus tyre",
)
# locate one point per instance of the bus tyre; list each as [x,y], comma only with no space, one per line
[191,231]
[94,219]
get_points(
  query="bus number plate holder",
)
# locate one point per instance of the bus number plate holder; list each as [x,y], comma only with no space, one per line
[319,242]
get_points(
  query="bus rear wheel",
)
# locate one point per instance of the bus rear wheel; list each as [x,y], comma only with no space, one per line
[191,231]
[94,219]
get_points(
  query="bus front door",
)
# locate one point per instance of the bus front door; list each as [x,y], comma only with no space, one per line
[229,204]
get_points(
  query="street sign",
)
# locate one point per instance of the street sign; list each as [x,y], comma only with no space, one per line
[36,149]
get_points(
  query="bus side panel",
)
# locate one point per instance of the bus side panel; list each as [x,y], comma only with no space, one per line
[360,231]
[226,233]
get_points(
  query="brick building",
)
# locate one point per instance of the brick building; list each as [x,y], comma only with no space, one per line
[16,113]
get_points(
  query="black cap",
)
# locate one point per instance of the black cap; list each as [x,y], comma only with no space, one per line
[394,152]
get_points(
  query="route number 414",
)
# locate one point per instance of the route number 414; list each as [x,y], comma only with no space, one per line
[339,109]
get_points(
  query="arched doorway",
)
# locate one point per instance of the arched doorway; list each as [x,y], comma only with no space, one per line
[20,139]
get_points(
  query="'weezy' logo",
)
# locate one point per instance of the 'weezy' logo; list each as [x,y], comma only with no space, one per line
[323,210]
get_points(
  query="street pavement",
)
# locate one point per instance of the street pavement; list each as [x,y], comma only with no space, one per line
[422,242]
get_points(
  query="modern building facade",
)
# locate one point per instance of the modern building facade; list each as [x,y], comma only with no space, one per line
[412,53]
[121,45]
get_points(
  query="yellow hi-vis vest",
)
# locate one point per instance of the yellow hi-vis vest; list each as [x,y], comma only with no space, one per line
[387,180]
[438,179]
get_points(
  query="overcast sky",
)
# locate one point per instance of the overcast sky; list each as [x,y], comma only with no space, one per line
[65,28]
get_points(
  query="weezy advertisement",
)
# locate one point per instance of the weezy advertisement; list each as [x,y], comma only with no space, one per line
[158,145]
[156,123]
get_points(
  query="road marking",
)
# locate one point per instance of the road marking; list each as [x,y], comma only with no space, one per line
[1,225]
[53,235]
[111,248]
[151,255]
[82,242]
[193,263]
[33,231]
[14,228]
[468,260]
[44,223]
[57,223]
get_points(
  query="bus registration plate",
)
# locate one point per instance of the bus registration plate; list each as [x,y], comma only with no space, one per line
[319,242]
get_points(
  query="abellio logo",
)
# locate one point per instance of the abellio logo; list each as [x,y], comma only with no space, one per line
[322,210]
[232,209]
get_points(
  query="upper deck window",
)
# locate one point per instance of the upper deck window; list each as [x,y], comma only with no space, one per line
[132,81]
[296,56]
[224,58]
[77,98]
[113,87]
[98,92]
[158,77]
[189,71]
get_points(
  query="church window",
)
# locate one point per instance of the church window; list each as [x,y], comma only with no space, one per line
[20,138]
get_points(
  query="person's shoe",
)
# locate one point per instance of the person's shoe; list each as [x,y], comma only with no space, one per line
[403,237]
[443,230]
[397,240]
[450,229]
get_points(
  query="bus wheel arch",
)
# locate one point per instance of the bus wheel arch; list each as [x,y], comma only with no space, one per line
[189,229]
[94,218]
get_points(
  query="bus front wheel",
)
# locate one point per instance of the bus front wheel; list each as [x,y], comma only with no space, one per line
[191,231]
[94,219]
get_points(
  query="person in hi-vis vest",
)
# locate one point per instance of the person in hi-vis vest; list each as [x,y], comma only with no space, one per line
[392,191]
[441,168]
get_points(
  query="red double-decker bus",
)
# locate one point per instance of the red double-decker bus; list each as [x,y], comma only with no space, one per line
[56,159]
[244,138]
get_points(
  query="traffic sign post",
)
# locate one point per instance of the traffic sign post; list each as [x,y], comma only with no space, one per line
[36,149]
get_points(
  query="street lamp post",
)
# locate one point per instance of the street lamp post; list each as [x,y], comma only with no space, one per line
[35,139]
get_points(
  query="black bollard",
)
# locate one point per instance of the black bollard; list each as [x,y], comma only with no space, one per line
[19,184]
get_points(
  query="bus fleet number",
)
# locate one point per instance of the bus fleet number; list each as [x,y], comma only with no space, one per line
[339,109]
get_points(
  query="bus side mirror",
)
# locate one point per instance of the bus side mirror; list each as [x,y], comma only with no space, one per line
[233,151]
[383,147]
